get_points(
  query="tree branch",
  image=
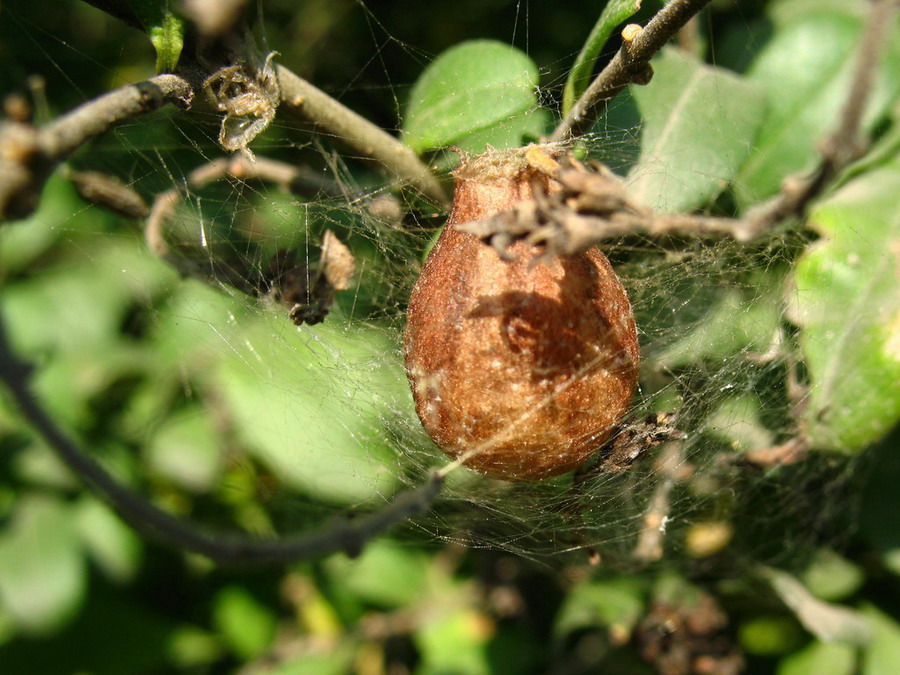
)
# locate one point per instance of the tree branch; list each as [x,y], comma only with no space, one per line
[348,536]
[28,155]
[66,134]
[845,144]
[359,133]
[594,206]
[239,167]
[631,64]
[586,207]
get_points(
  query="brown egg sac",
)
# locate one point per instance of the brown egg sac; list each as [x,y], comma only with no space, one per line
[521,370]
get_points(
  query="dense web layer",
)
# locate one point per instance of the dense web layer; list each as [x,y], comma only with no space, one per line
[219,386]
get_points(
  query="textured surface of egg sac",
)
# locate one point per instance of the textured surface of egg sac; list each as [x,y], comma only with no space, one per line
[520,370]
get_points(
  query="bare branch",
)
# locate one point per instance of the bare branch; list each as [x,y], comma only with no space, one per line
[674,468]
[630,65]
[67,133]
[296,180]
[585,207]
[28,154]
[845,144]
[109,192]
[348,536]
[286,278]
[359,133]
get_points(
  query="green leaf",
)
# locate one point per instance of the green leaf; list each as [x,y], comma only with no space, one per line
[455,642]
[167,39]
[780,13]
[74,308]
[247,625]
[769,635]
[23,241]
[386,574]
[112,545]
[614,13]
[847,302]
[737,421]
[187,450]
[192,646]
[468,88]
[312,404]
[821,658]
[806,70]
[165,30]
[828,622]
[337,661]
[832,577]
[615,604]
[699,123]
[882,655]
[42,571]
[39,465]
[508,133]
[734,322]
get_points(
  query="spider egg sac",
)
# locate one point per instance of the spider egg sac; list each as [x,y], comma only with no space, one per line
[520,369]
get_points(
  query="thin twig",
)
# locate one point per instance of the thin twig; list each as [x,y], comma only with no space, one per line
[630,64]
[846,143]
[224,547]
[674,469]
[29,154]
[69,132]
[587,207]
[108,192]
[359,133]
[296,180]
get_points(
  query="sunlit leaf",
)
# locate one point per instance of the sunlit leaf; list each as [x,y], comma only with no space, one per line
[847,301]
[42,572]
[192,646]
[247,625]
[455,642]
[882,654]
[832,577]
[821,658]
[187,450]
[386,574]
[312,404]
[508,133]
[165,29]
[337,661]
[110,543]
[39,465]
[699,124]
[470,87]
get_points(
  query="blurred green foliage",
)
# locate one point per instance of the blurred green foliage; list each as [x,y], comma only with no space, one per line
[130,358]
